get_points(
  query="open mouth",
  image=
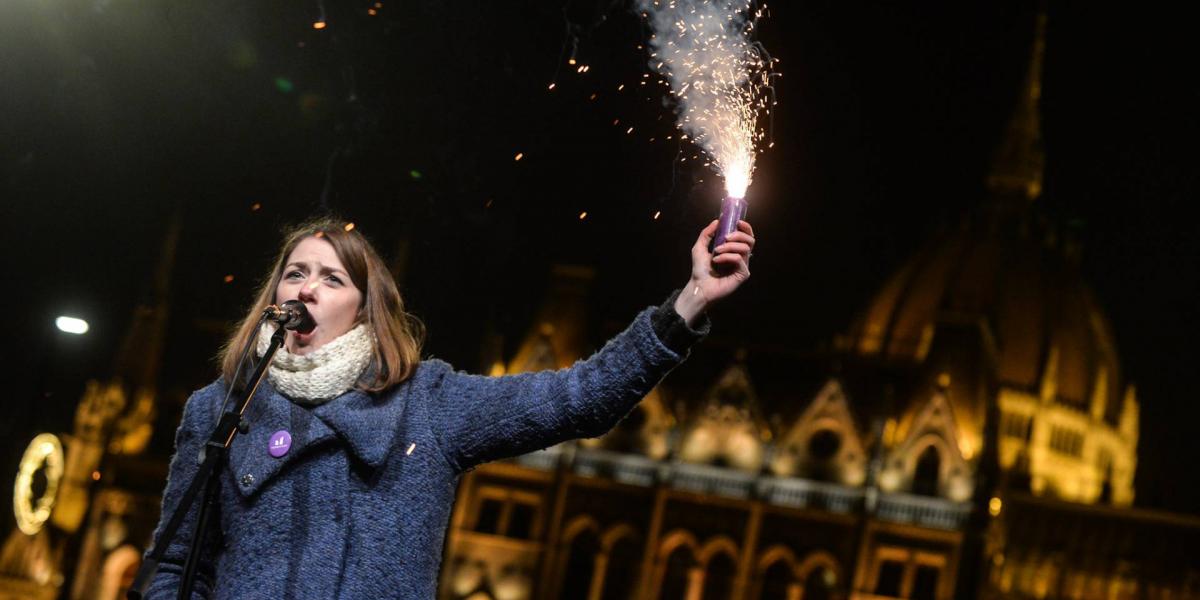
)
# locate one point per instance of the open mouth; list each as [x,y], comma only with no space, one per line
[305,329]
[306,325]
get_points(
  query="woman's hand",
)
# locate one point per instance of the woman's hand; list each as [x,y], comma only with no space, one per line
[715,274]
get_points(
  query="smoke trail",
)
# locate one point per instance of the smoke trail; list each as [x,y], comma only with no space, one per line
[717,75]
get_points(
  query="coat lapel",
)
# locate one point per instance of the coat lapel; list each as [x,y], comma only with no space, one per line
[269,412]
[366,424]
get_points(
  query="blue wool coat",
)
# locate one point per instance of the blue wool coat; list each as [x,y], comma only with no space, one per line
[359,505]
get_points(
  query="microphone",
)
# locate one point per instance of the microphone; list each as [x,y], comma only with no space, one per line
[292,315]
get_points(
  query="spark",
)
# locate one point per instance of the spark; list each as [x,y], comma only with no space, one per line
[583,215]
[551,87]
[348,227]
[228,279]
[519,156]
[319,25]
[718,77]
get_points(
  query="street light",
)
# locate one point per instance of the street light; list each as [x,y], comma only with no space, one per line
[71,325]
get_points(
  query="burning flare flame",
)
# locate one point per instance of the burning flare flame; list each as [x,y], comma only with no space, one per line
[717,76]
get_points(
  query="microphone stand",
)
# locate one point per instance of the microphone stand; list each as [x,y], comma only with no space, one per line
[213,455]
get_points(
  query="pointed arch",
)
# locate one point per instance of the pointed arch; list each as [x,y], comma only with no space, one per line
[675,564]
[824,442]
[616,533]
[716,582]
[718,545]
[578,549]
[816,560]
[730,429]
[117,572]
[819,584]
[775,554]
[933,426]
[675,539]
[578,525]
[926,468]
[622,561]
[774,574]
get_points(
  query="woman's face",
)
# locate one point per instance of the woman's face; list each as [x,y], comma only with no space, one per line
[313,274]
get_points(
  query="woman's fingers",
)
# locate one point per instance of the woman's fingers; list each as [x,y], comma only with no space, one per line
[737,261]
[744,226]
[706,236]
[735,247]
[739,236]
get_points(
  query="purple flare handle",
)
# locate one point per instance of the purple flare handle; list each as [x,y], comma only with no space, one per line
[732,211]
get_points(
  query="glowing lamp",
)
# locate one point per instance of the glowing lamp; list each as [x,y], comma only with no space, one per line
[71,325]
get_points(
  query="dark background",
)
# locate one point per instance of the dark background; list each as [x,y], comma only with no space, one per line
[117,116]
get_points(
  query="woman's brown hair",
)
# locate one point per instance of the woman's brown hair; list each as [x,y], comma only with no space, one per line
[398,335]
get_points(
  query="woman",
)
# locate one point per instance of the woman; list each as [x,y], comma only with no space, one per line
[344,483]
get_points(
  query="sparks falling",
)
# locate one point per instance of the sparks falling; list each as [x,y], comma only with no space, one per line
[717,76]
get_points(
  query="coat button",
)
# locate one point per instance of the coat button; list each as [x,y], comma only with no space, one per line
[247,480]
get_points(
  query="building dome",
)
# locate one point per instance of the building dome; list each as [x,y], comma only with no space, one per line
[1023,288]
[994,318]
[995,315]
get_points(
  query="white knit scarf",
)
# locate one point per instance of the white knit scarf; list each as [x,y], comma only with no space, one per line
[323,374]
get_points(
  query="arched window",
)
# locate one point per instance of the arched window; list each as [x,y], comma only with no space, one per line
[677,575]
[624,562]
[925,477]
[776,580]
[118,572]
[580,564]
[718,578]
[819,584]
[714,580]
[823,446]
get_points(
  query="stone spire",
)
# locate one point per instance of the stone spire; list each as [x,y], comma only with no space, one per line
[1019,163]
[135,370]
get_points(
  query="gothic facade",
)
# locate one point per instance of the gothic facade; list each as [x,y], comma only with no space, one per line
[971,435]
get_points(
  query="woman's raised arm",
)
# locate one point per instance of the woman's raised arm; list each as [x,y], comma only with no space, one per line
[479,418]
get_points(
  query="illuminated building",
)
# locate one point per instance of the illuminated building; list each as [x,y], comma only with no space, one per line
[971,435]
[103,502]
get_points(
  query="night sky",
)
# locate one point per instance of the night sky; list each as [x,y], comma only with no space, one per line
[119,116]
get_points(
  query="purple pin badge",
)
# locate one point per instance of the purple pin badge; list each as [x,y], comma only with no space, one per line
[281,442]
